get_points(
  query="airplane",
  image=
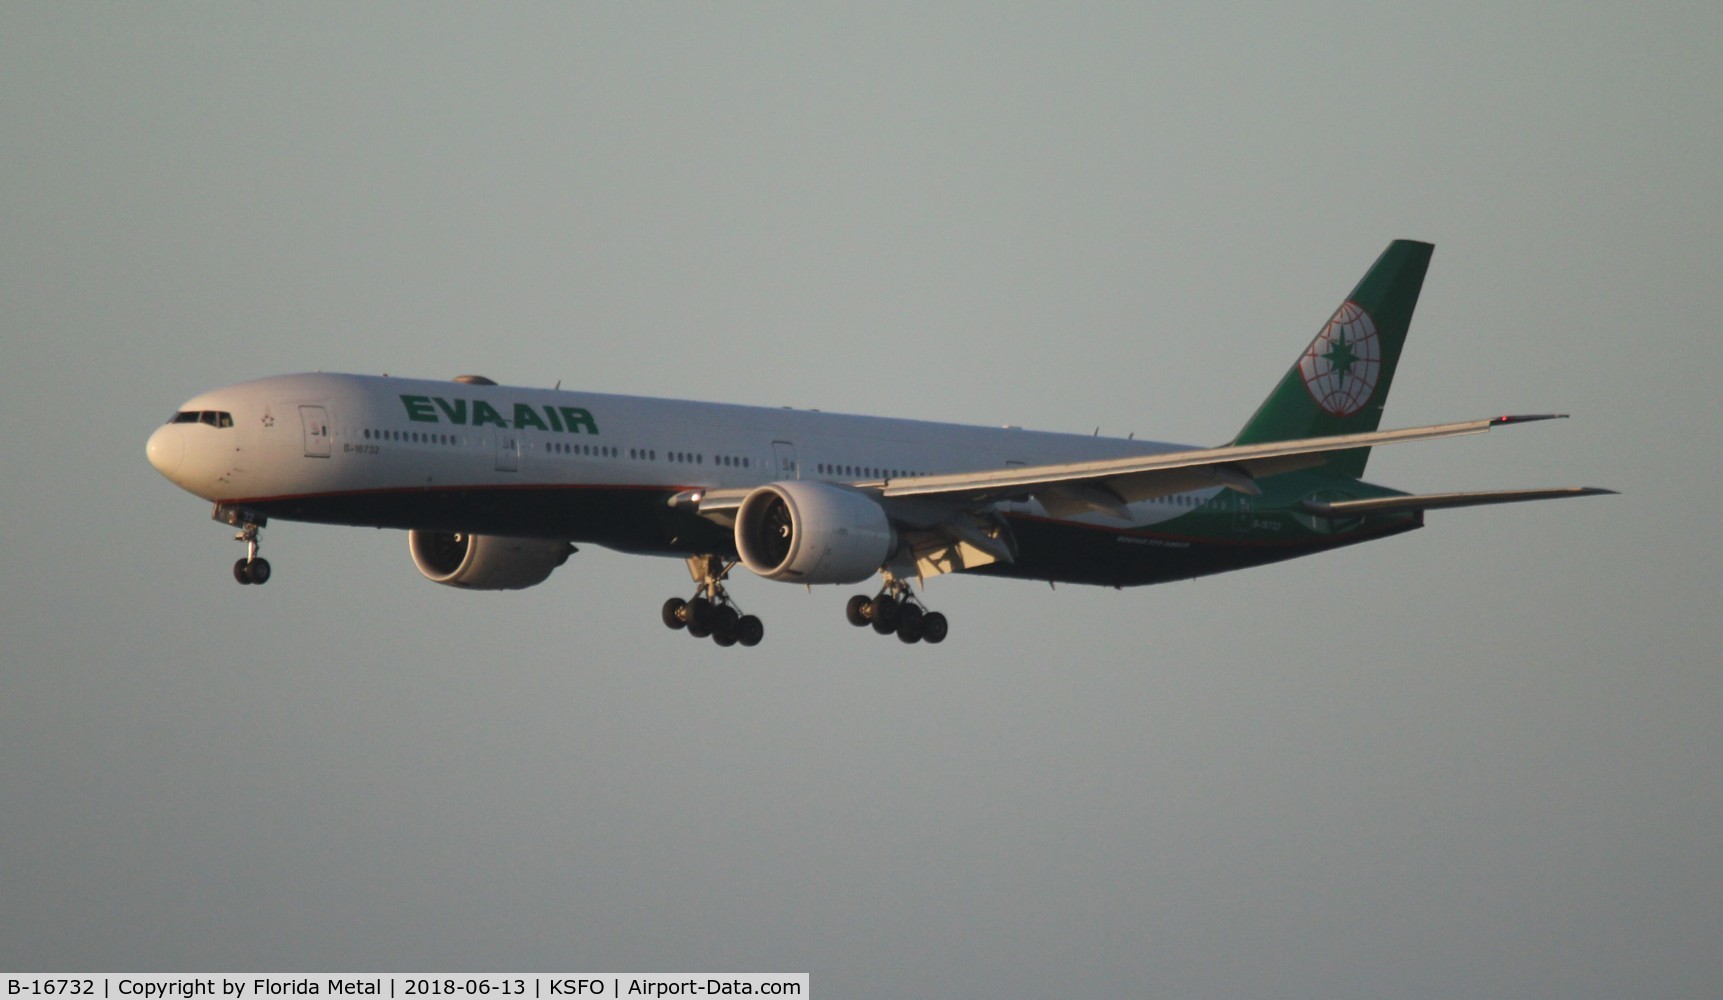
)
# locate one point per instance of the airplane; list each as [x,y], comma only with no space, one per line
[495,484]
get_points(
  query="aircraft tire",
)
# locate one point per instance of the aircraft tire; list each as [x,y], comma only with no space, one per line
[259,571]
[884,615]
[674,610]
[242,571]
[724,619]
[856,611]
[934,627]
[699,618]
[750,630]
[909,616]
[725,637]
[909,631]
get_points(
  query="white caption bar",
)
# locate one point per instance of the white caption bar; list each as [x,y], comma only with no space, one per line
[459,986]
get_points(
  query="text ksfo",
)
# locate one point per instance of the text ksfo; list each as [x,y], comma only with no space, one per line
[672,988]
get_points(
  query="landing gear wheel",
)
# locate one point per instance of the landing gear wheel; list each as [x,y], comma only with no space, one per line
[934,627]
[699,618]
[909,631]
[857,611]
[883,611]
[724,619]
[251,571]
[909,617]
[710,613]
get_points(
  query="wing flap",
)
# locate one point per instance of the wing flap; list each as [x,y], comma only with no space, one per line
[1436,501]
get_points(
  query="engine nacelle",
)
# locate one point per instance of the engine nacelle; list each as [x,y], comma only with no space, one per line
[485,562]
[806,532]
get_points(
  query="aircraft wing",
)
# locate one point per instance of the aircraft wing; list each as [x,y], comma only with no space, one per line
[1107,486]
[1434,501]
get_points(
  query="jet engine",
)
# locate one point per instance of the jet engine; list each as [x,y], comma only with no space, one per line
[485,562]
[806,532]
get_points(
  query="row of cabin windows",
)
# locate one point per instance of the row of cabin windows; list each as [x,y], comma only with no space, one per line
[214,418]
[413,437]
[859,471]
[423,437]
[695,458]
[690,458]
[561,448]
[588,450]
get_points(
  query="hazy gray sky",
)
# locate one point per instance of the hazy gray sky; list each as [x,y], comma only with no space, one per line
[1479,760]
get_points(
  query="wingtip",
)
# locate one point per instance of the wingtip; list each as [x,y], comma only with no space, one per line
[1527,418]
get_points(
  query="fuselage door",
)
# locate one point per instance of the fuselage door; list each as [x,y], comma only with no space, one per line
[786,453]
[316,422]
[508,450]
[1242,520]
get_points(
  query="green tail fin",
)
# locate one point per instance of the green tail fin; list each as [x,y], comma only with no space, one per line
[1340,382]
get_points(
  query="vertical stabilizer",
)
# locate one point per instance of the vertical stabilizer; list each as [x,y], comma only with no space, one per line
[1340,383]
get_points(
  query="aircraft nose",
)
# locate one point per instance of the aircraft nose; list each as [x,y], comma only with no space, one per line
[166,449]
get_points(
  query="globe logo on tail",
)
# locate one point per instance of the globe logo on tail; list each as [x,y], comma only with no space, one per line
[1341,365]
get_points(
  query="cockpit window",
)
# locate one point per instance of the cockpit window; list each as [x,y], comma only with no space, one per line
[214,418]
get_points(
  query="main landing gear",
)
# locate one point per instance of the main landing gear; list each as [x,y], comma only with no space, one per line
[897,609]
[711,612]
[253,568]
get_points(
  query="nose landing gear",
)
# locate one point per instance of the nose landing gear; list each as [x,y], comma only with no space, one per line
[253,568]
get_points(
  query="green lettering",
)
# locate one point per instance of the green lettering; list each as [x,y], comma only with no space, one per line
[484,413]
[457,413]
[577,420]
[419,408]
[555,421]
[525,417]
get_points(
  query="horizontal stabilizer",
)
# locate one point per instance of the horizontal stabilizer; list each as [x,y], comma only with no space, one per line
[1435,501]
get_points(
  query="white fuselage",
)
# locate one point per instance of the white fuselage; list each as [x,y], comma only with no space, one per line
[323,435]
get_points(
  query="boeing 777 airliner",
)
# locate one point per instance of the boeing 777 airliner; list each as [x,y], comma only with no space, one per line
[495,483]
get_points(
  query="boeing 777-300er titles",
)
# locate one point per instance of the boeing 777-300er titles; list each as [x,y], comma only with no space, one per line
[495,483]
